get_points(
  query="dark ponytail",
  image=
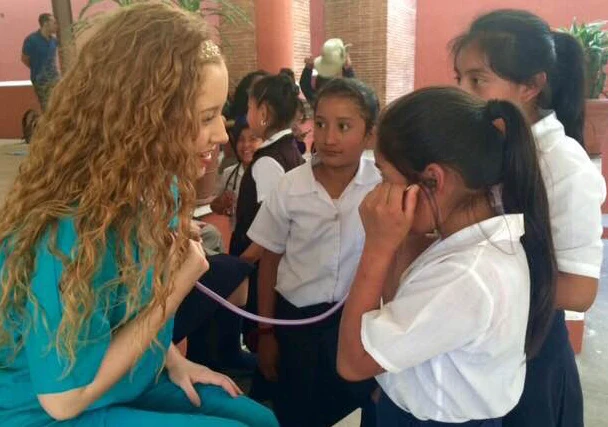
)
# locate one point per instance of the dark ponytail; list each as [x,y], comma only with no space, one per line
[467,141]
[523,191]
[518,45]
[280,94]
[568,85]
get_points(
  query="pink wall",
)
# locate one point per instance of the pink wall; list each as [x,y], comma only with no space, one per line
[274,34]
[17,21]
[439,21]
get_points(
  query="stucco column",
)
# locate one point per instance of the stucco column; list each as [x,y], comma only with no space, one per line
[274,34]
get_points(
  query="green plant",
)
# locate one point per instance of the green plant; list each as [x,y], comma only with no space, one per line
[594,39]
[225,9]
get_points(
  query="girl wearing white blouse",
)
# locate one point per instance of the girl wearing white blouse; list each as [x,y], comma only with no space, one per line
[447,338]
[514,55]
[313,237]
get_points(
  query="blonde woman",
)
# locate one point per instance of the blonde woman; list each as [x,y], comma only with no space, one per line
[95,255]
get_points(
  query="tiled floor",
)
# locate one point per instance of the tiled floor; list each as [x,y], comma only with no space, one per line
[593,361]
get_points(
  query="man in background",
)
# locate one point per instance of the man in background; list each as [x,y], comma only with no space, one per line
[39,54]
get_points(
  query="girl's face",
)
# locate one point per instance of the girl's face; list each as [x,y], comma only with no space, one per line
[475,76]
[339,132]
[210,103]
[247,145]
[257,118]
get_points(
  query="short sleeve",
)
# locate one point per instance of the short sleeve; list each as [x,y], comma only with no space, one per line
[576,220]
[270,228]
[27,47]
[427,321]
[48,368]
[267,173]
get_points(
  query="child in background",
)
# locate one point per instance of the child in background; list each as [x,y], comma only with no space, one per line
[313,237]
[447,338]
[272,106]
[273,103]
[514,55]
[229,184]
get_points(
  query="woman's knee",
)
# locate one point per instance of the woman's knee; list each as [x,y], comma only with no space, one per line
[240,294]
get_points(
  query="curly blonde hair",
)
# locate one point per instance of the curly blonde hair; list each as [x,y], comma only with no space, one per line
[119,131]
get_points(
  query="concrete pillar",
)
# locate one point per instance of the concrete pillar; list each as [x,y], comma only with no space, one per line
[274,34]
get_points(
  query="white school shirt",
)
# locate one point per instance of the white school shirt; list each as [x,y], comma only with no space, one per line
[266,171]
[452,340]
[321,239]
[575,190]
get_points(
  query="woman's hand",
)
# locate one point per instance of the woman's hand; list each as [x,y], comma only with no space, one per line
[387,213]
[191,268]
[184,374]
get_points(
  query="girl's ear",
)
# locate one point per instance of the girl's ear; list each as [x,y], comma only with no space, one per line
[370,139]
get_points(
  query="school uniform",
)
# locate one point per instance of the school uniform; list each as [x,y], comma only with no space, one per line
[276,156]
[575,189]
[452,339]
[321,241]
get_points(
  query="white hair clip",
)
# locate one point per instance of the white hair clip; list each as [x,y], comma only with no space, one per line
[210,50]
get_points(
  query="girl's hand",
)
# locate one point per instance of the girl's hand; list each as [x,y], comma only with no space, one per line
[224,203]
[184,374]
[387,213]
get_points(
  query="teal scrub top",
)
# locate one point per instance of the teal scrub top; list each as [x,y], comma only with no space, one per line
[39,369]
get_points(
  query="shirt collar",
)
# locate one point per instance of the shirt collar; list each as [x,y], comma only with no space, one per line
[274,138]
[502,228]
[548,131]
[367,174]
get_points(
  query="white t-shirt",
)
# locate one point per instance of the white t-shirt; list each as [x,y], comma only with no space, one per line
[576,191]
[266,171]
[452,340]
[321,239]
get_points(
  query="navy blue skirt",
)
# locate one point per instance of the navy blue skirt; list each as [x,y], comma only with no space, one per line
[390,415]
[552,394]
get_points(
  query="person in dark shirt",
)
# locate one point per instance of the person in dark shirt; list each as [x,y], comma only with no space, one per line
[39,54]
[333,62]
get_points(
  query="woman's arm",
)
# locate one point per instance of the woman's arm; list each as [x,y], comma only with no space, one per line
[127,345]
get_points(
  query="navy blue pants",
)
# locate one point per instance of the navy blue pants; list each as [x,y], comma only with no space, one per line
[390,415]
[310,392]
[552,393]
